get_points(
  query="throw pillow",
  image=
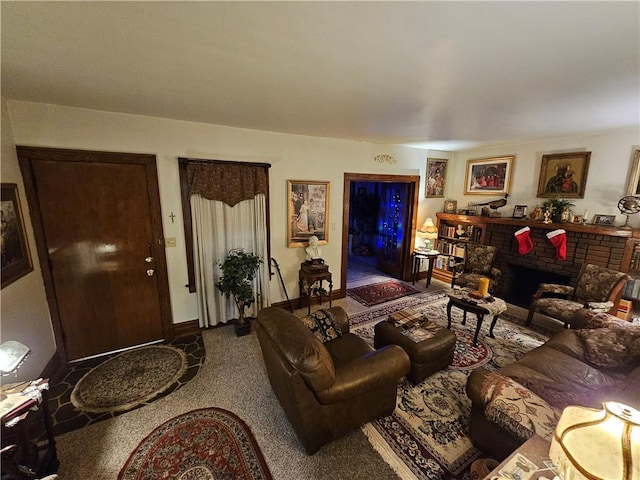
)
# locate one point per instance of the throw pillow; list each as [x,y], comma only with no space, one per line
[612,347]
[516,408]
[322,325]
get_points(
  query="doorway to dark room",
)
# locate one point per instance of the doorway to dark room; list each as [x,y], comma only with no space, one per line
[378,227]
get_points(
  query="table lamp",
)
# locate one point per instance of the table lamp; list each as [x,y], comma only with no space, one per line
[597,444]
[12,356]
[429,231]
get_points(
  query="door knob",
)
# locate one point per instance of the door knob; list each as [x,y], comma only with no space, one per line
[150,272]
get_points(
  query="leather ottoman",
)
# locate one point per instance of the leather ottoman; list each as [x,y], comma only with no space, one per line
[427,356]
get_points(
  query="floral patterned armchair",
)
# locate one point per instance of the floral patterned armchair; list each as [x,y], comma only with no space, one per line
[597,289]
[478,262]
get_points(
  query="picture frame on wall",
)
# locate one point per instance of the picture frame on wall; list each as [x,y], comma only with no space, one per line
[488,176]
[563,175]
[308,212]
[436,177]
[633,185]
[16,259]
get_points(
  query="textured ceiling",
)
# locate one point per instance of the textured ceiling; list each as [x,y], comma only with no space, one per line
[444,75]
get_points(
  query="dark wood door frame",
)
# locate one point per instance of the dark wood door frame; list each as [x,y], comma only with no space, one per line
[25,156]
[412,204]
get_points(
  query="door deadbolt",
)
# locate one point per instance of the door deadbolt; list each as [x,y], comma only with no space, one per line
[148,259]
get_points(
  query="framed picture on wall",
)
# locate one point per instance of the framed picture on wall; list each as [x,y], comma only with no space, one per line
[450,206]
[564,175]
[16,260]
[488,176]
[436,177]
[308,212]
[633,185]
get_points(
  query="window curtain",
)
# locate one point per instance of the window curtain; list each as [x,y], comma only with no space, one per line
[228,210]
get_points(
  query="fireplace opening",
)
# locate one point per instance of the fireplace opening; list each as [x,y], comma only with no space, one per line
[524,283]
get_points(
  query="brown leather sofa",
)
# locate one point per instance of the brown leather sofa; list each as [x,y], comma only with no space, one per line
[327,389]
[558,372]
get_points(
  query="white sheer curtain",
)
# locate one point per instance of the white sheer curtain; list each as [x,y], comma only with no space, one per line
[218,228]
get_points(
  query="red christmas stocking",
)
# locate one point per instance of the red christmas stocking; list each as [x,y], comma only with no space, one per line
[558,239]
[525,245]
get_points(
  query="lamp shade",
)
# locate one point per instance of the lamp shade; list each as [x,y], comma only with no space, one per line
[428,229]
[597,444]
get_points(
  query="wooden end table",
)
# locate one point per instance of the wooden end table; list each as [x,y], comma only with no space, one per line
[536,450]
[307,276]
[418,257]
[480,306]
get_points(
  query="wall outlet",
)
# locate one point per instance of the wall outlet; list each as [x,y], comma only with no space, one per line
[170,242]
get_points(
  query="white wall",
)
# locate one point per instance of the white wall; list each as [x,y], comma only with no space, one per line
[291,156]
[24,308]
[609,170]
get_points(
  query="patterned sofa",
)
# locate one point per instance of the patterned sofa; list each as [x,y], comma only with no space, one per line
[597,360]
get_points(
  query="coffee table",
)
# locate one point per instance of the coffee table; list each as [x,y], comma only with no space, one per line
[489,305]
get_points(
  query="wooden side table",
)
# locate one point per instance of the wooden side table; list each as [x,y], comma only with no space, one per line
[536,450]
[310,274]
[22,455]
[418,257]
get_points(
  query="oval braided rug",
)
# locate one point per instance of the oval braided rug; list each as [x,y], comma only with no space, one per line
[129,379]
[204,444]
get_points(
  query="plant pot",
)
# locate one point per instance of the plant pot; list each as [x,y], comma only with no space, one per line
[242,330]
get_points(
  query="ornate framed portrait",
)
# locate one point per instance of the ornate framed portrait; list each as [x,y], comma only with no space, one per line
[308,212]
[488,176]
[16,260]
[436,177]
[633,185]
[563,175]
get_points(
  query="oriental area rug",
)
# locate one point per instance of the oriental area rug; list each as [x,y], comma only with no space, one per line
[129,379]
[204,444]
[378,293]
[427,435]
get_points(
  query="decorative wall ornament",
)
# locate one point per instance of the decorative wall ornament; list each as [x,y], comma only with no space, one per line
[385,159]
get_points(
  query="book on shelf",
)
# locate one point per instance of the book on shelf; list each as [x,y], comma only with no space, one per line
[632,289]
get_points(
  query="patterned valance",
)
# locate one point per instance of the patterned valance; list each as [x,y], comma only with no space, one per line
[226,181]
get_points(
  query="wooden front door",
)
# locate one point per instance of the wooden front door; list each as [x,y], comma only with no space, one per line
[98,227]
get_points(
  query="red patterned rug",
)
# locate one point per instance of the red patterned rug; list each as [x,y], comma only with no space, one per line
[427,437]
[205,444]
[377,293]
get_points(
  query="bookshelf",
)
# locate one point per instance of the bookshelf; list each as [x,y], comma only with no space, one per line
[631,294]
[454,232]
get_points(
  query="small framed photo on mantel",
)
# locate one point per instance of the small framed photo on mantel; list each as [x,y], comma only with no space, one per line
[519,211]
[450,206]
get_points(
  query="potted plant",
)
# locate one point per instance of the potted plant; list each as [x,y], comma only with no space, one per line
[238,271]
[556,206]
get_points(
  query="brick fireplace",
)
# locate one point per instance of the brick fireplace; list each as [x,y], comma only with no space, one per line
[521,274]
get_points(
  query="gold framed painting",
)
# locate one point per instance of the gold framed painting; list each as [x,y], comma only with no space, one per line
[436,177]
[633,186]
[563,175]
[488,176]
[308,212]
[16,259]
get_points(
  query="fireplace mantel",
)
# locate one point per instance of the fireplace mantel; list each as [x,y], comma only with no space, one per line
[569,227]
[610,247]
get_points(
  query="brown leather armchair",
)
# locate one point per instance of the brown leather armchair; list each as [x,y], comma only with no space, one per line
[327,389]
[597,289]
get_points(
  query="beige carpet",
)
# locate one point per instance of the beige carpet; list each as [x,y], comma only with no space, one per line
[233,378]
